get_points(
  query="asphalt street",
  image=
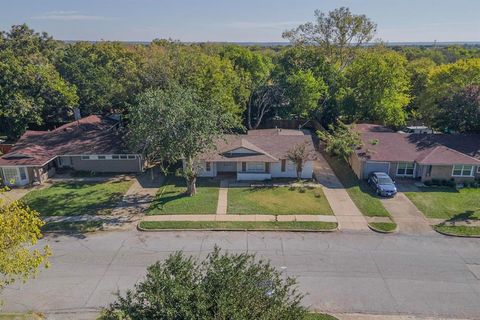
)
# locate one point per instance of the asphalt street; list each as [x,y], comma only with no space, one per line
[342,272]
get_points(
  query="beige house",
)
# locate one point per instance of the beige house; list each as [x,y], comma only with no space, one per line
[259,155]
[417,156]
[93,143]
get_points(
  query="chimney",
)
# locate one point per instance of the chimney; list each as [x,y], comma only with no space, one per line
[76,114]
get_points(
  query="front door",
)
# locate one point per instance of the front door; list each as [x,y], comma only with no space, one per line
[15,176]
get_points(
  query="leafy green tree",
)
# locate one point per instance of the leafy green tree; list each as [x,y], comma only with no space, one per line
[19,231]
[223,286]
[445,81]
[380,87]
[31,89]
[340,140]
[304,92]
[337,34]
[105,75]
[418,71]
[177,124]
[460,112]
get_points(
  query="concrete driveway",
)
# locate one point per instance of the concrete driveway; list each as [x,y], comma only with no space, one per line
[348,215]
[409,219]
[360,272]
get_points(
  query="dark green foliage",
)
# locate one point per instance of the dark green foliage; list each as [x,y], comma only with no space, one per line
[223,286]
[340,140]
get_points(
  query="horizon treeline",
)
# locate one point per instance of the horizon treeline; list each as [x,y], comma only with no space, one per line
[42,80]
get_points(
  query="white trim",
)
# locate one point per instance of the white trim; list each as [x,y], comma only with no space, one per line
[405,175]
[462,165]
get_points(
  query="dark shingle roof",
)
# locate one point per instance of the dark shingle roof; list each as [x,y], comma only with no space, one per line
[90,135]
[382,144]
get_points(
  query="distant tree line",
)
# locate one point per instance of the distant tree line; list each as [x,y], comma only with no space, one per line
[330,72]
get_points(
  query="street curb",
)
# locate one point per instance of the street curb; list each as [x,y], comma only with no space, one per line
[383,231]
[454,235]
[237,230]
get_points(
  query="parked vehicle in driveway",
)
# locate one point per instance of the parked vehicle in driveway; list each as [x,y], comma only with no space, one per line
[382,184]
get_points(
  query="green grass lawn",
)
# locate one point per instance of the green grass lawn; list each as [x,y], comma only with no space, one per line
[74,227]
[238,225]
[467,231]
[20,316]
[447,203]
[359,190]
[277,200]
[171,198]
[68,199]
[383,226]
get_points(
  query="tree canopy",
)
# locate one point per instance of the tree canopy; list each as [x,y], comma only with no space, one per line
[176,124]
[223,286]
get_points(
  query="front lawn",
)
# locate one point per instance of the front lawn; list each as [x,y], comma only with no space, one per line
[447,203]
[239,225]
[171,198]
[73,227]
[277,200]
[359,191]
[76,198]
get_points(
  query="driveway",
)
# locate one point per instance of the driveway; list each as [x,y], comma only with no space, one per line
[409,219]
[353,272]
[348,215]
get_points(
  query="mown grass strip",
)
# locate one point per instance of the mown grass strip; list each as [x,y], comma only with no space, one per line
[238,225]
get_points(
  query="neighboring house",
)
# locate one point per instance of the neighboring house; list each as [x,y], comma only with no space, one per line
[421,156]
[93,143]
[258,155]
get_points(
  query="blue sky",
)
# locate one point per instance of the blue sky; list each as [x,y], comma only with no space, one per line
[236,20]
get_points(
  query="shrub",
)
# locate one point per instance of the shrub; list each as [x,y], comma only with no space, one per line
[302,190]
[318,194]
[223,286]
[292,188]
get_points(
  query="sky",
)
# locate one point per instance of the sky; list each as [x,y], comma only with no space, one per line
[236,20]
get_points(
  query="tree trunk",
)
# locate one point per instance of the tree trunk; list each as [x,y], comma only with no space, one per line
[152,176]
[191,186]
[299,170]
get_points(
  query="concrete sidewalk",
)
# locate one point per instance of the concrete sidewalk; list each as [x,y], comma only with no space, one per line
[347,213]
[240,217]
[222,204]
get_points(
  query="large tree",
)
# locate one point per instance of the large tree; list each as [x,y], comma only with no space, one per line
[444,81]
[19,231]
[31,89]
[105,75]
[177,124]
[460,112]
[223,286]
[337,34]
[379,87]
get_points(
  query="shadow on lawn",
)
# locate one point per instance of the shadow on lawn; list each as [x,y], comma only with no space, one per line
[466,216]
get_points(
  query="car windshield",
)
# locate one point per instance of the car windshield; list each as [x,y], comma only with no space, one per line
[384,180]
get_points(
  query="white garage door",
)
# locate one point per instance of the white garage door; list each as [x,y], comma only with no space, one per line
[371,166]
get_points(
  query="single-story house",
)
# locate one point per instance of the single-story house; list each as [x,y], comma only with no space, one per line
[416,155]
[94,143]
[258,155]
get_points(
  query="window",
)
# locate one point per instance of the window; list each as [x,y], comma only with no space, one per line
[123,157]
[85,157]
[478,169]
[101,157]
[208,166]
[462,171]
[244,166]
[115,157]
[284,164]
[23,173]
[256,167]
[405,169]
[131,156]
[10,175]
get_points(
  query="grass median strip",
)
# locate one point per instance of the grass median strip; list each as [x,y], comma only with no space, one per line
[238,225]
[75,226]
[319,316]
[383,226]
[465,231]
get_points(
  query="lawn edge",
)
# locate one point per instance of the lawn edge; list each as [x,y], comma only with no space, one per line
[454,234]
[139,228]
[383,231]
